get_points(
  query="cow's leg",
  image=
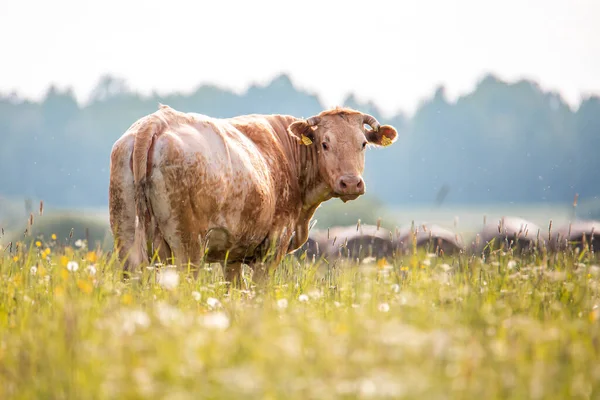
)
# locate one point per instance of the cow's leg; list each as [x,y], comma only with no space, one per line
[121,202]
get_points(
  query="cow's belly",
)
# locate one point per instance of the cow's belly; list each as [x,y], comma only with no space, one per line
[202,190]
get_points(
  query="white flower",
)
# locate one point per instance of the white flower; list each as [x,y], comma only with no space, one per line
[369,260]
[91,269]
[446,267]
[216,320]
[511,264]
[196,295]
[212,302]
[427,262]
[384,307]
[395,288]
[33,270]
[168,279]
[303,298]
[79,243]
[282,303]
[135,319]
[72,266]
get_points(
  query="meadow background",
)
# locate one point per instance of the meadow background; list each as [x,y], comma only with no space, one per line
[506,148]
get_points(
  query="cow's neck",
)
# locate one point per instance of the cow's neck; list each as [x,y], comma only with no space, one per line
[313,189]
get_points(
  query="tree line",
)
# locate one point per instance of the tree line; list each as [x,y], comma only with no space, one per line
[503,142]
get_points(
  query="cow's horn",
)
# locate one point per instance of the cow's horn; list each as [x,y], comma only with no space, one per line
[370,120]
[312,121]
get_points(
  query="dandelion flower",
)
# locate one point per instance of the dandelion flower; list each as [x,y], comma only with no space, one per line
[72,266]
[196,295]
[303,298]
[511,264]
[46,252]
[395,288]
[33,270]
[38,243]
[79,243]
[53,236]
[282,303]
[16,258]
[169,279]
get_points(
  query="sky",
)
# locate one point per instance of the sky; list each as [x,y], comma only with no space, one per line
[394,53]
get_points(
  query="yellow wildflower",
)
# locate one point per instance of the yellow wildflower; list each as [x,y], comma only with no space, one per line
[64,260]
[38,243]
[64,274]
[382,262]
[127,299]
[53,236]
[16,258]
[46,252]
[91,256]
[85,286]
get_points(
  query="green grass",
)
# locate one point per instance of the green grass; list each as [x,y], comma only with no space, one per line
[416,327]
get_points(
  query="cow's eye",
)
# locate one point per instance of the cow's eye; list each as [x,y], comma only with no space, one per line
[364,145]
[325,146]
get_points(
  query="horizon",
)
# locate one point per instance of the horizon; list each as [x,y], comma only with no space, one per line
[396,61]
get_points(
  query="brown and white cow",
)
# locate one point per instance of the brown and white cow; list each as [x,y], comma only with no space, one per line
[243,189]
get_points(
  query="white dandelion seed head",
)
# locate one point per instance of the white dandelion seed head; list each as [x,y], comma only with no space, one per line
[168,279]
[91,269]
[303,298]
[511,264]
[212,302]
[216,320]
[196,295]
[282,303]
[72,266]
[384,307]
[79,243]
[33,270]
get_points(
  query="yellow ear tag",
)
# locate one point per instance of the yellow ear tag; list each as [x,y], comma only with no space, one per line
[385,141]
[306,140]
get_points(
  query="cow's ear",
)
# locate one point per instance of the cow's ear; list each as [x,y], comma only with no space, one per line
[384,136]
[302,132]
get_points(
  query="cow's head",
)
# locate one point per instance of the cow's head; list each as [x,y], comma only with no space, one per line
[341,138]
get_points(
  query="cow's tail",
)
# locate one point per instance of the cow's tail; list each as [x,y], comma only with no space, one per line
[145,136]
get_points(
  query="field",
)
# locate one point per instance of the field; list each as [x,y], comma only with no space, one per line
[418,327]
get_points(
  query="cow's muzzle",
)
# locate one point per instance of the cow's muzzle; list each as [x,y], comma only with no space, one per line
[349,187]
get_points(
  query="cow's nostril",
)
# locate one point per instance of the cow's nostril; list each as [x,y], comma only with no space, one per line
[343,184]
[359,184]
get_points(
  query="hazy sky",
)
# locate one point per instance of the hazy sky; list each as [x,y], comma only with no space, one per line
[394,53]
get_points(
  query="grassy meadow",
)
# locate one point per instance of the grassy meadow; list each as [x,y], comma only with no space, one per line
[415,327]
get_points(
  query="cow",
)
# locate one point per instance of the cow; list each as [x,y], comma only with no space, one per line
[192,188]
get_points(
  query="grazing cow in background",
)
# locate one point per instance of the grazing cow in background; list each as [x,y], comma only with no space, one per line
[240,190]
